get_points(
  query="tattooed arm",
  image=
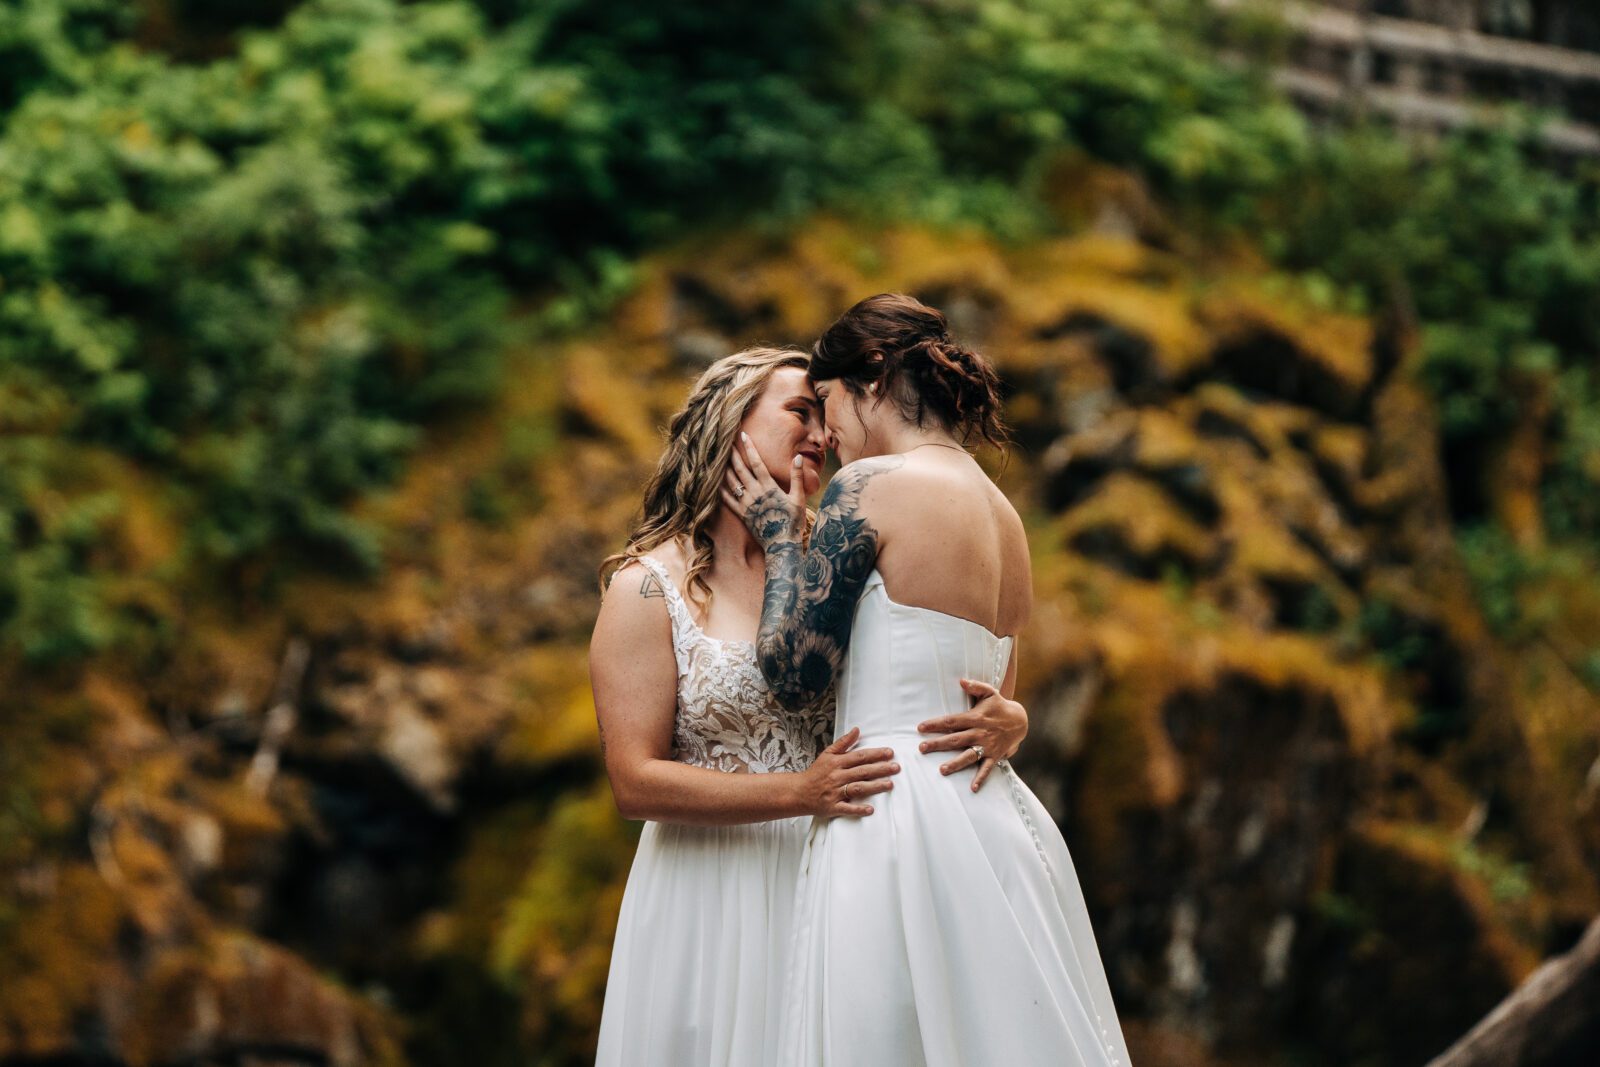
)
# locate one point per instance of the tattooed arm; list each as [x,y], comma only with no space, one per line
[811,592]
[635,677]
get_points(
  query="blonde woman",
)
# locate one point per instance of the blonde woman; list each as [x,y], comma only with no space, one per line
[726,778]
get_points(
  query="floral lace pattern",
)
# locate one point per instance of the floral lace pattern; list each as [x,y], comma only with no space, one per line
[727,717]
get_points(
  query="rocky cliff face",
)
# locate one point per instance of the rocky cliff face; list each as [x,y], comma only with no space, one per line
[1318,807]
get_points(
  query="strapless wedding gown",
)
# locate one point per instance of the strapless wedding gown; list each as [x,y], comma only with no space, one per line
[947,929]
[699,957]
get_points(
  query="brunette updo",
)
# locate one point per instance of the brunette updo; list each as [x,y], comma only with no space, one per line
[905,347]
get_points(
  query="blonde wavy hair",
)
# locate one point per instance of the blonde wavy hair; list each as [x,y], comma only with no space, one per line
[682,497]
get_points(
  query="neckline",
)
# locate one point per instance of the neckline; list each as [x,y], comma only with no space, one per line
[883,585]
[660,571]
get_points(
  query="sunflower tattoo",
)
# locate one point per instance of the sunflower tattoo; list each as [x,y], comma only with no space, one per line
[809,604]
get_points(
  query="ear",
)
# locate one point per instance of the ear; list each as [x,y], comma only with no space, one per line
[875,365]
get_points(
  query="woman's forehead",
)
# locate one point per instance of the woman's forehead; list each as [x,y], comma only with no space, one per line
[790,382]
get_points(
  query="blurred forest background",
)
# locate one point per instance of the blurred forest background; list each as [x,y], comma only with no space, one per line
[335,337]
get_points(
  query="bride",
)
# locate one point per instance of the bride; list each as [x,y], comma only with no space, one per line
[695,743]
[948,929]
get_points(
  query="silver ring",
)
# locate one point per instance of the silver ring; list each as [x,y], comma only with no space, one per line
[738,490]
[979,750]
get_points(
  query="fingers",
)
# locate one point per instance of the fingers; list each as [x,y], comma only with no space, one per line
[797,483]
[968,758]
[982,776]
[753,459]
[951,742]
[737,488]
[961,720]
[853,793]
[868,772]
[846,740]
[813,481]
[866,755]
[980,690]
[741,469]
[748,469]
[945,724]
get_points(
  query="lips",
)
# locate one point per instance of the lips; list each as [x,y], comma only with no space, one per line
[814,457]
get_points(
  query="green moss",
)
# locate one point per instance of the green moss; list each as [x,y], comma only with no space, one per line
[1345,912]
[1508,882]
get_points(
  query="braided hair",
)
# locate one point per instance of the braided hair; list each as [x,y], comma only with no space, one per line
[905,347]
[682,497]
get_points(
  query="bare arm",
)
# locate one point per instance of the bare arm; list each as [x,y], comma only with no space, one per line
[635,677]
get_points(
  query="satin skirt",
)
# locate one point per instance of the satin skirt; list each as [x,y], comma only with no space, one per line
[947,929]
[701,948]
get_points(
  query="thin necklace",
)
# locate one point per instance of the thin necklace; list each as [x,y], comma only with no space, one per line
[939,444]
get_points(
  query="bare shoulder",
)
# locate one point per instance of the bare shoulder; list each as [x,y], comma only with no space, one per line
[633,608]
[853,479]
[1016,598]
[670,555]
[634,575]
[1012,528]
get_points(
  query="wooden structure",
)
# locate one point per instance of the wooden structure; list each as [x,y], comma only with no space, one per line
[1434,64]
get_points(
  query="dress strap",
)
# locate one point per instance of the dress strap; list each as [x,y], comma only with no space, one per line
[683,627]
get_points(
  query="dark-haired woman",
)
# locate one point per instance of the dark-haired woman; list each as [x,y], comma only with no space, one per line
[949,929]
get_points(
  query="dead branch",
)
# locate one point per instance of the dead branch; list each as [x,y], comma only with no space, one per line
[280,718]
[1551,1020]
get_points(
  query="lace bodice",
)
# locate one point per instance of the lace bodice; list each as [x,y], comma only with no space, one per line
[727,717]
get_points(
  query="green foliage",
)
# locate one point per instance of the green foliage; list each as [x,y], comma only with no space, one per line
[1392,636]
[257,275]
[1506,881]
[53,43]
[52,605]
[1508,580]
[1416,652]
[1571,490]
[1500,256]
[988,95]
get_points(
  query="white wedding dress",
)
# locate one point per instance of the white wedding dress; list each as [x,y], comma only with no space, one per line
[947,929]
[699,957]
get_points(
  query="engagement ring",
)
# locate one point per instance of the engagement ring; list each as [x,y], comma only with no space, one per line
[738,490]
[979,750]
